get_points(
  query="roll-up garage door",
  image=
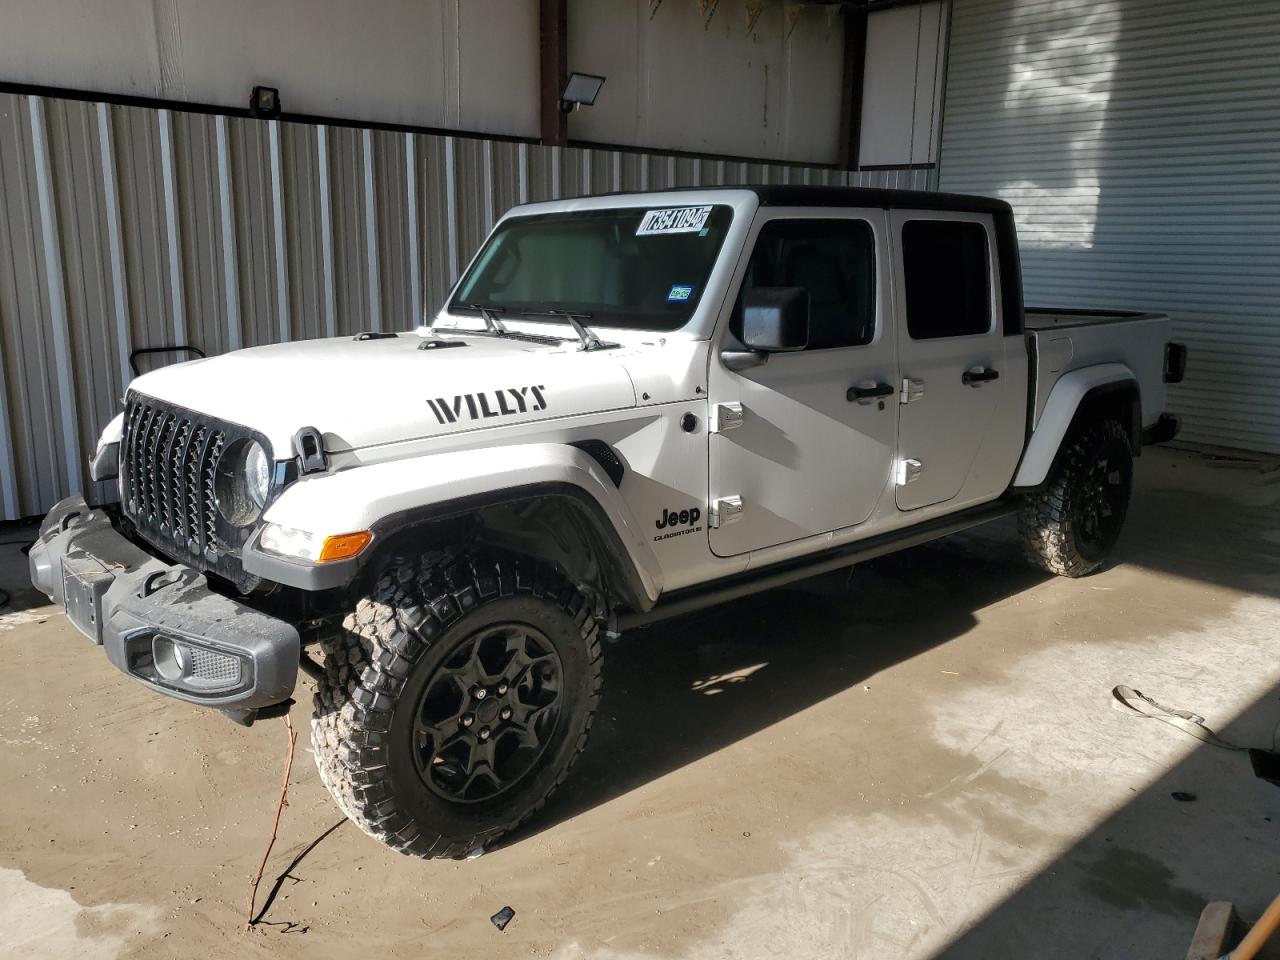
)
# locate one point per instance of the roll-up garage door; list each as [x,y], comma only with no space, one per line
[1139,143]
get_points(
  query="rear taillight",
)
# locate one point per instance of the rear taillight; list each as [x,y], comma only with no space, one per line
[1175,362]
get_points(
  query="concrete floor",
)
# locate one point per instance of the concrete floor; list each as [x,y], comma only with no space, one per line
[922,760]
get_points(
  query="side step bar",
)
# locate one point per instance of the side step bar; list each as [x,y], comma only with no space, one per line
[779,574]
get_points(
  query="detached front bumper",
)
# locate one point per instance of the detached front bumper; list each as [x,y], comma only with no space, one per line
[159,622]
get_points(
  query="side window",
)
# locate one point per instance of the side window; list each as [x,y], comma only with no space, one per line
[835,261]
[948,278]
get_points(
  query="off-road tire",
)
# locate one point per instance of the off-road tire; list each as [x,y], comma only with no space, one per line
[1056,533]
[376,665]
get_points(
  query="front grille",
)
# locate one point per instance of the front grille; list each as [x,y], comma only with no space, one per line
[168,463]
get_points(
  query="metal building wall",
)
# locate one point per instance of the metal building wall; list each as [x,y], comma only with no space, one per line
[1139,142]
[124,227]
[736,77]
[429,63]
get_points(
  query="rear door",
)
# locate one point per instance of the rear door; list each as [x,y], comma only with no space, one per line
[950,349]
[804,443]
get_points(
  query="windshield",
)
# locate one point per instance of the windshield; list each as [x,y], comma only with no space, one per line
[641,268]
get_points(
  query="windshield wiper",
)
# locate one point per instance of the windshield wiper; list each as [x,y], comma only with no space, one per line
[490,315]
[589,340]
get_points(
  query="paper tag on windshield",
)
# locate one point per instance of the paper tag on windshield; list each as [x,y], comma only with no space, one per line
[673,220]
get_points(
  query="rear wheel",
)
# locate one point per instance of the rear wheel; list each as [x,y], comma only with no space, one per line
[454,701]
[1070,525]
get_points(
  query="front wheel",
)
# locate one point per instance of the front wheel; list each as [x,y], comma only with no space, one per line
[1069,526]
[454,701]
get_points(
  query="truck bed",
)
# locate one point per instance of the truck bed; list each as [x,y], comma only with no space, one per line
[1061,340]
[1055,318]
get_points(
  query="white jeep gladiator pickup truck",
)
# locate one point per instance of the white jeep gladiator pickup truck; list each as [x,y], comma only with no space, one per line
[631,406]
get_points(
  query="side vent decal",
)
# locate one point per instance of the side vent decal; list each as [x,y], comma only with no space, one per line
[606,456]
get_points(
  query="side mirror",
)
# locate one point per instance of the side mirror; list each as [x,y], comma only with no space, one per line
[775,319]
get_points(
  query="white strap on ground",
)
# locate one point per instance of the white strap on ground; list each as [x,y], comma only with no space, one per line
[1184,720]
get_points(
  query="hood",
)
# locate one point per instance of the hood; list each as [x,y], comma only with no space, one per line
[363,392]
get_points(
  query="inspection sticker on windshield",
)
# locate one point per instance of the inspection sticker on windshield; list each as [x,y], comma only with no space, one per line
[680,293]
[673,220]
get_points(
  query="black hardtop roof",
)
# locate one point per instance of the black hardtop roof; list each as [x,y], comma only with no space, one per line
[800,196]
[787,195]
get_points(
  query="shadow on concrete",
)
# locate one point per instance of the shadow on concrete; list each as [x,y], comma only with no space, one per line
[681,690]
[1134,887]
[678,691]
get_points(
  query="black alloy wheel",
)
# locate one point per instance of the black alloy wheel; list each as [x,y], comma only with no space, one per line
[1070,524]
[1100,508]
[487,713]
[455,698]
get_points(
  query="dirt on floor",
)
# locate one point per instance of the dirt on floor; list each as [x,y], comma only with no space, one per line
[922,758]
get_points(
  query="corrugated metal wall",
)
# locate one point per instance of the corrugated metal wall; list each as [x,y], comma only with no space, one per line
[1139,142]
[124,227]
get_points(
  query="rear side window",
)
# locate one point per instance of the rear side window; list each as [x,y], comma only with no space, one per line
[835,261]
[947,275]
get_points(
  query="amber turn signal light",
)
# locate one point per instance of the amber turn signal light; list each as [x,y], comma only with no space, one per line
[344,546]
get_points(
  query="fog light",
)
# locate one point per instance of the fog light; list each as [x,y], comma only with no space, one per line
[187,665]
[171,658]
[214,669]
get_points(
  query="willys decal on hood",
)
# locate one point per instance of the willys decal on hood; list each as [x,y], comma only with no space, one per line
[490,403]
[360,393]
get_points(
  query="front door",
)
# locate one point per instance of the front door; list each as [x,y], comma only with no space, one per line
[803,444]
[950,351]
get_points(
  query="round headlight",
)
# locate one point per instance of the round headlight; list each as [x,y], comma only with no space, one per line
[257,474]
[242,482]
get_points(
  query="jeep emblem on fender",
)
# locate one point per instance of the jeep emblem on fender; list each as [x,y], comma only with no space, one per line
[678,522]
[672,518]
[490,403]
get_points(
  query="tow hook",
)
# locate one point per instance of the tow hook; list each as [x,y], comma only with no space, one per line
[159,579]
